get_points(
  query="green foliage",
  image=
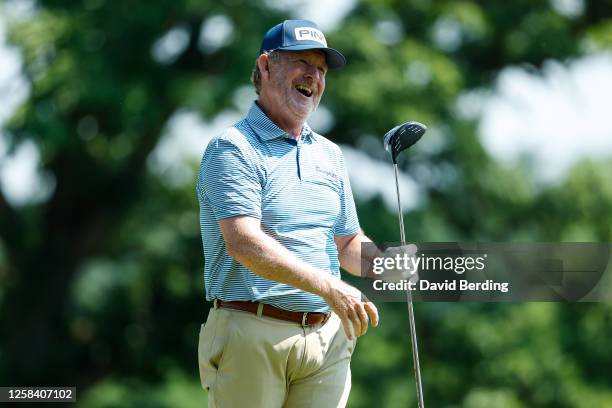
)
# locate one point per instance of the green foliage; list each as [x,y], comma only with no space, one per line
[101,285]
[176,390]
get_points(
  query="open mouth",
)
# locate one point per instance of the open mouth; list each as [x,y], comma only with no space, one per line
[304,90]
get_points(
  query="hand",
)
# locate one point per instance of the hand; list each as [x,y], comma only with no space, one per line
[346,301]
[406,268]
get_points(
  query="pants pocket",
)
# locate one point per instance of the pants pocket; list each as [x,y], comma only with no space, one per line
[212,341]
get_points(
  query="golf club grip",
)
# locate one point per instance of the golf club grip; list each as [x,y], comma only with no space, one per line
[415,352]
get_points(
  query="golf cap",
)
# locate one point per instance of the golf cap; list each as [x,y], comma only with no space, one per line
[300,35]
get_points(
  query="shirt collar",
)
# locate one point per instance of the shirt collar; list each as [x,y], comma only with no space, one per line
[268,130]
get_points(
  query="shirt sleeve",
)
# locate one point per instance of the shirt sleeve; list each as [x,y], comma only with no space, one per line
[229,181]
[347,222]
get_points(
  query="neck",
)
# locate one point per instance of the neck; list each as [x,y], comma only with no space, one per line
[289,124]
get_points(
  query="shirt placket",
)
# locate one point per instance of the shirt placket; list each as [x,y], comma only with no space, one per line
[305,161]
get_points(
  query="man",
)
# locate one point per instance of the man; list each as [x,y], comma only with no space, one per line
[278,220]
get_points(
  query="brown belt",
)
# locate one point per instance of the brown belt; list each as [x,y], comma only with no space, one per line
[303,318]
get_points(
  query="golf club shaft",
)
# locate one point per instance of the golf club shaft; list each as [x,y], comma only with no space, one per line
[413,337]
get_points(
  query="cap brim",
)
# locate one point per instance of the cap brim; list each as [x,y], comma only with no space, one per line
[333,57]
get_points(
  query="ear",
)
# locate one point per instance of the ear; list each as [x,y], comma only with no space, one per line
[263,62]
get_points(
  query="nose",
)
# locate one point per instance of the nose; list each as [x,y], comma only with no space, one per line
[313,73]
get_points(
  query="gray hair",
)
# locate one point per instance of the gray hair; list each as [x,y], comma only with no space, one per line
[274,56]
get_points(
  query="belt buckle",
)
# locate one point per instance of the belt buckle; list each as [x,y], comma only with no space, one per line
[327,316]
[304,318]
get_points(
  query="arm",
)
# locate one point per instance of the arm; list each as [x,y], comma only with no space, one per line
[350,255]
[347,234]
[249,245]
[359,263]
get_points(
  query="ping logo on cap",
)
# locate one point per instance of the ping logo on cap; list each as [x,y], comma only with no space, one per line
[310,34]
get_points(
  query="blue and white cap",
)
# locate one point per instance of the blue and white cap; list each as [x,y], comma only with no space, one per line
[300,35]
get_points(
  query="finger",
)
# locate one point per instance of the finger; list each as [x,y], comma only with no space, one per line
[363,318]
[346,324]
[372,312]
[356,322]
[410,249]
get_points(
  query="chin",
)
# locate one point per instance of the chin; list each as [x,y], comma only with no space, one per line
[303,112]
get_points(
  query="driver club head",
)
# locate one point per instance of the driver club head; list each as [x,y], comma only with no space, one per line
[402,137]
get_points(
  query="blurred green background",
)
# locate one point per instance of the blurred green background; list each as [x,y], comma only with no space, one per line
[101,264]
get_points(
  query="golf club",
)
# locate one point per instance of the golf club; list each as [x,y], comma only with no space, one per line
[396,141]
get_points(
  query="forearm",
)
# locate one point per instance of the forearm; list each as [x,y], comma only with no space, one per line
[356,258]
[267,258]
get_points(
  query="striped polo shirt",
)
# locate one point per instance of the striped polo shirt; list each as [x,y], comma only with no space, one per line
[298,189]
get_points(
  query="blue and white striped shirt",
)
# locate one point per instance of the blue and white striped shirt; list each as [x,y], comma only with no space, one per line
[298,189]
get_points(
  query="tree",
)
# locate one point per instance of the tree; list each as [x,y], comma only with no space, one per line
[103,280]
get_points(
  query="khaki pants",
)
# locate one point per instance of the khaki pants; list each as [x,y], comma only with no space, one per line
[255,361]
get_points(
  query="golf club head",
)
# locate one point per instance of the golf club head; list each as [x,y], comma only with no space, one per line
[402,137]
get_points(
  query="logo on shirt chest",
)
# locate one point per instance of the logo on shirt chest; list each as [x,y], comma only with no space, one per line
[328,173]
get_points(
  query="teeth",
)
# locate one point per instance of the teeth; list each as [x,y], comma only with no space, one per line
[307,91]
